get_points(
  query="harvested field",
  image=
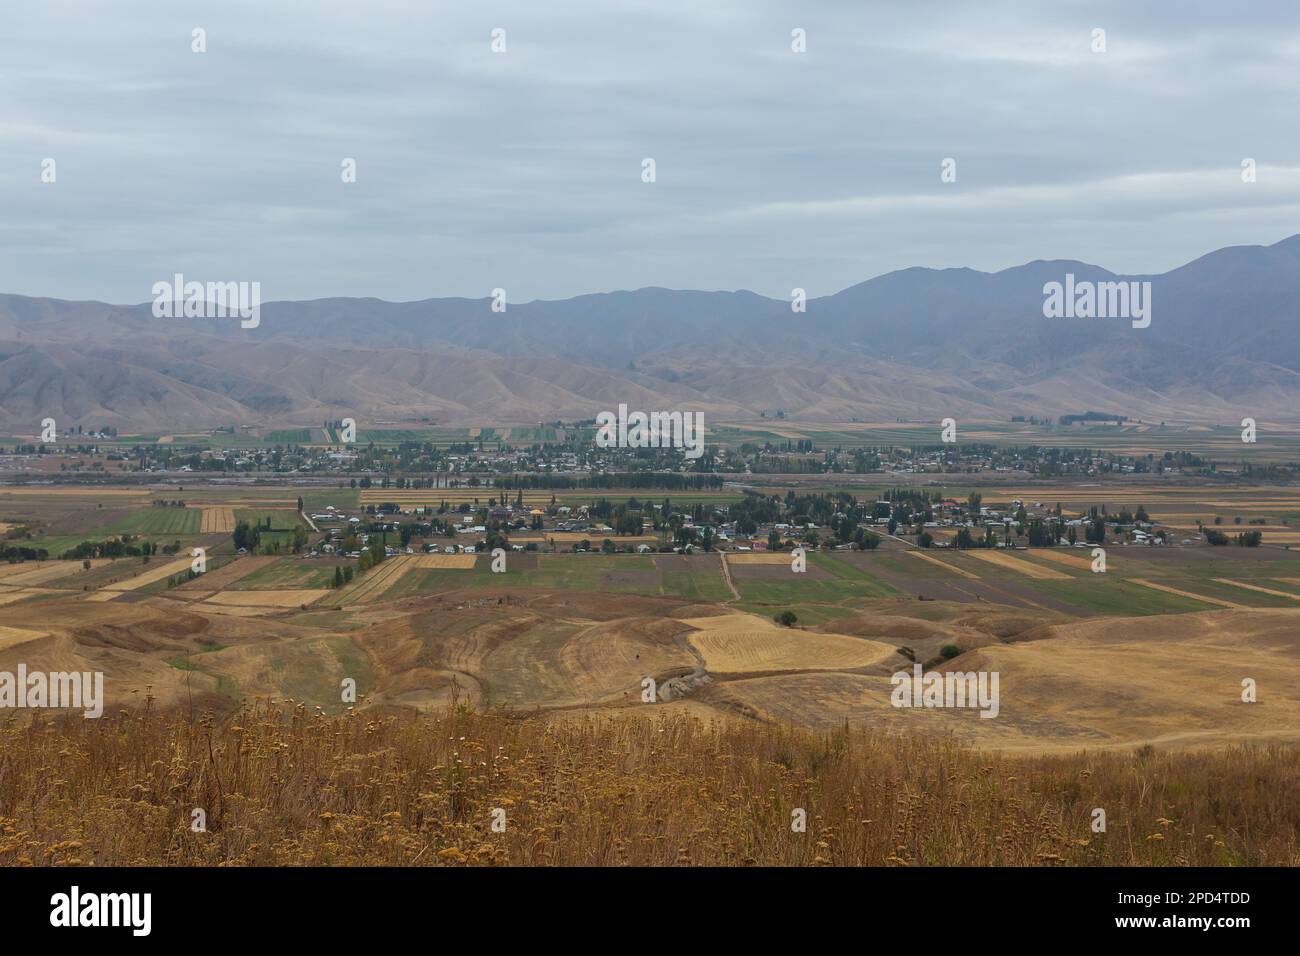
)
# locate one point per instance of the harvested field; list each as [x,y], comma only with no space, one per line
[238,610]
[8,571]
[13,636]
[1026,568]
[223,577]
[575,537]
[281,598]
[746,643]
[462,561]
[46,492]
[947,566]
[44,572]
[14,595]
[373,583]
[1089,684]
[743,557]
[219,520]
[1081,561]
[150,574]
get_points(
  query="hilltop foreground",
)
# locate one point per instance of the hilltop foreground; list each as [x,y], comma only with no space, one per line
[281,786]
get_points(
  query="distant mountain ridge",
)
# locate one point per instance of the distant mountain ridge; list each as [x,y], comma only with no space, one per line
[915,343]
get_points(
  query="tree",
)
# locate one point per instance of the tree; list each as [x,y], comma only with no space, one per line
[338,577]
[785,618]
[1096,533]
[246,536]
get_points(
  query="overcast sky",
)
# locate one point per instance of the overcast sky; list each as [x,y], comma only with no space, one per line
[523,169]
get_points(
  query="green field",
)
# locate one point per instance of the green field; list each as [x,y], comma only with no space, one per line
[393,436]
[1106,595]
[153,521]
[289,436]
[286,573]
[315,500]
[847,584]
[631,574]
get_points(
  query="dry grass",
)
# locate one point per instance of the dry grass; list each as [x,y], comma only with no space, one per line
[282,786]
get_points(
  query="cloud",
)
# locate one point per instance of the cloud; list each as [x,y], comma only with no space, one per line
[775,169]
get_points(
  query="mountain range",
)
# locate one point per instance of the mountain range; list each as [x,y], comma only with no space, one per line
[915,344]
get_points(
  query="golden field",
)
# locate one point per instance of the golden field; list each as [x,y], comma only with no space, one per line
[282,786]
[1027,568]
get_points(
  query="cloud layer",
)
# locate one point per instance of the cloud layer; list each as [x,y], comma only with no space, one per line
[522,169]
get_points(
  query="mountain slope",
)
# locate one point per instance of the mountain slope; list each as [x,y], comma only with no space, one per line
[916,343]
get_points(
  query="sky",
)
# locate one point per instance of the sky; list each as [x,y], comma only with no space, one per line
[523,169]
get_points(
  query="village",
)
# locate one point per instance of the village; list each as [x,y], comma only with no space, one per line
[644,527]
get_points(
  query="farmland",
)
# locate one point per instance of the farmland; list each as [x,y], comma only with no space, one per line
[561,631]
[739,648]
